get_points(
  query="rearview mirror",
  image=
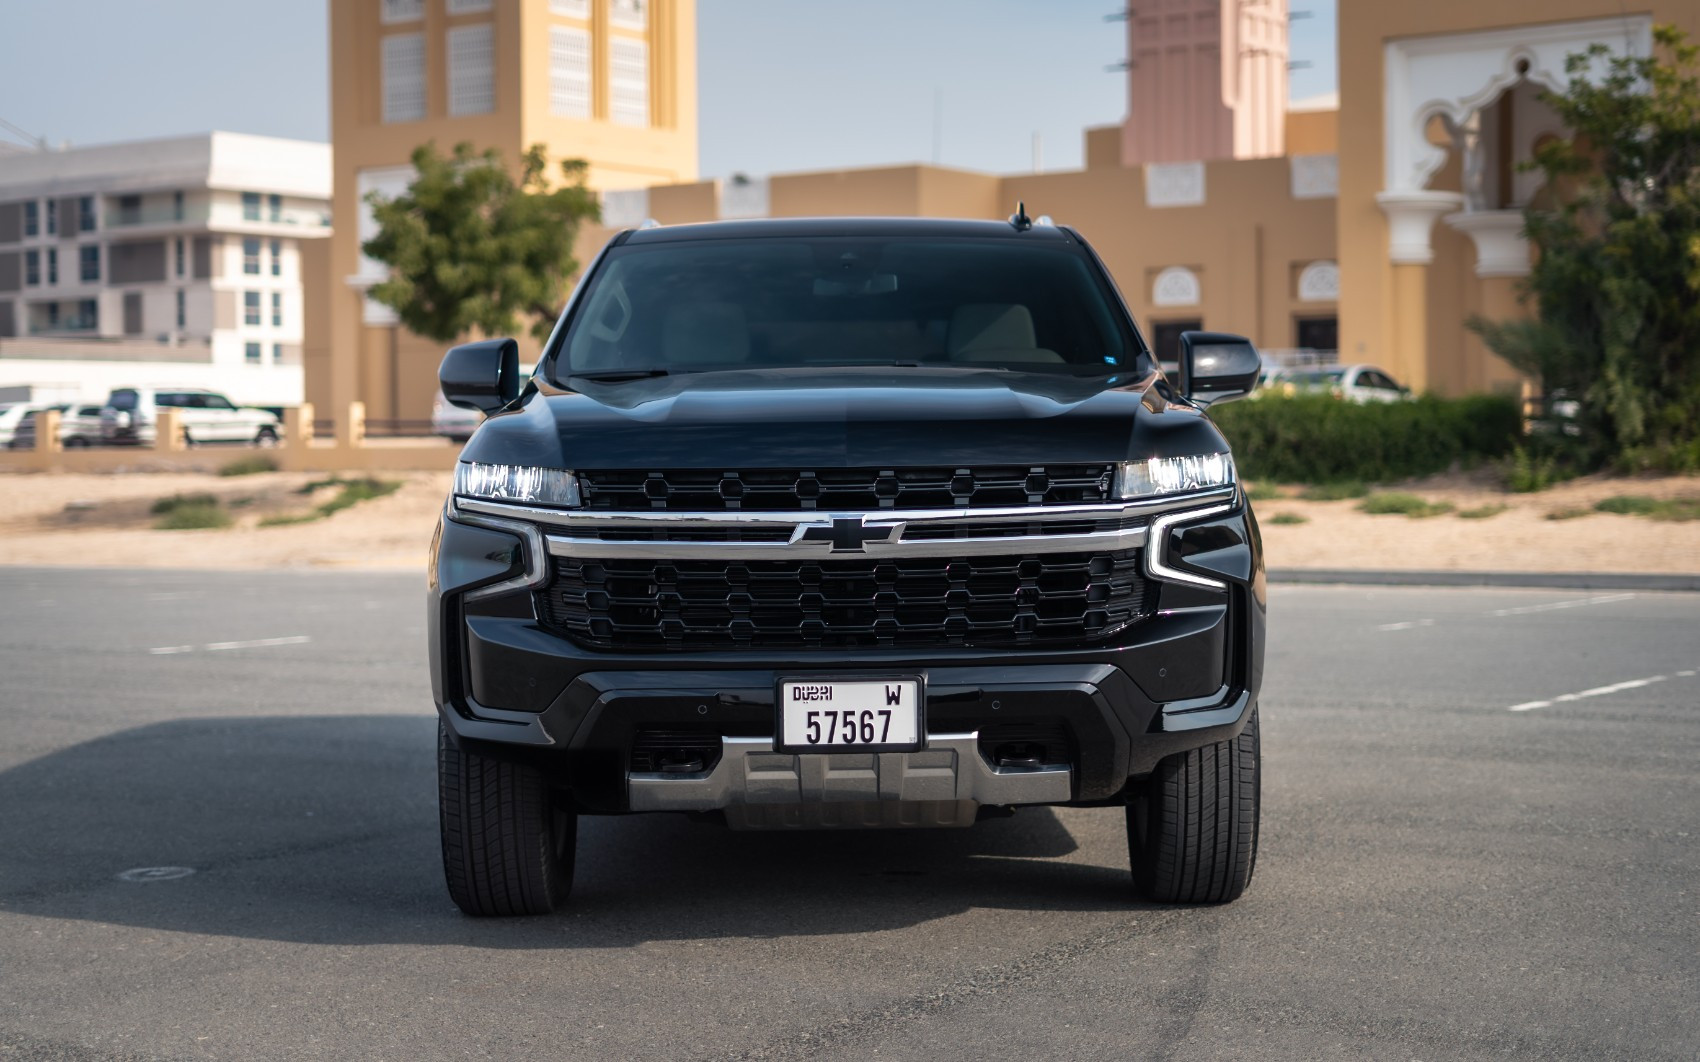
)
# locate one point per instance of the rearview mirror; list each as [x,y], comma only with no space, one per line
[1216,367]
[482,375]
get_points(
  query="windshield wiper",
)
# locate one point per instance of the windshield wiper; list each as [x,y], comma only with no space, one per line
[618,375]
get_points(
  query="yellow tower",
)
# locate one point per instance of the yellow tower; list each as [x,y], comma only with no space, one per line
[609,81]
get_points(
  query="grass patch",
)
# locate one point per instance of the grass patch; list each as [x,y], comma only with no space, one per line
[1262,490]
[171,504]
[1482,512]
[353,492]
[248,466]
[1334,491]
[1568,514]
[189,512]
[196,513]
[321,484]
[1675,509]
[1389,503]
[1289,518]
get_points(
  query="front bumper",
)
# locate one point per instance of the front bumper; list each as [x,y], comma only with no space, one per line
[944,784]
[1184,677]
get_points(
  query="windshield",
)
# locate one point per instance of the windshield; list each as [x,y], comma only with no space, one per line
[834,301]
[1325,376]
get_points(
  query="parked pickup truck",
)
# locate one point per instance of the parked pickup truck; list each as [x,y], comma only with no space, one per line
[846,523]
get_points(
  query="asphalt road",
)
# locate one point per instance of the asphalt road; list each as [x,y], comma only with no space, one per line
[1442,876]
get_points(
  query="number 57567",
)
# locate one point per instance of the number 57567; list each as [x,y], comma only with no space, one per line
[847,726]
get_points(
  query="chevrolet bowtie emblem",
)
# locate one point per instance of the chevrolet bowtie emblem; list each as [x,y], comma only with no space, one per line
[847,534]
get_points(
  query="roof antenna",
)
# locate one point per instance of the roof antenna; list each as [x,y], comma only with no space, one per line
[1019,220]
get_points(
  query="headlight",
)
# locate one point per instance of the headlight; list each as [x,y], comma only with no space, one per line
[1173,475]
[517,483]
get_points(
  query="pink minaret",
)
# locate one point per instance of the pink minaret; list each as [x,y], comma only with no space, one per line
[1207,79]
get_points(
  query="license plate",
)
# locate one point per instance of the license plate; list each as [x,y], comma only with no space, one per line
[836,715]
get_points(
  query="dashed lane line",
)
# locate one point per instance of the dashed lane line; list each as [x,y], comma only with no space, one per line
[215,647]
[258,643]
[1597,691]
[1406,625]
[1554,606]
[1522,610]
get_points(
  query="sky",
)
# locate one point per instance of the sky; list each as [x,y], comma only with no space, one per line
[784,85]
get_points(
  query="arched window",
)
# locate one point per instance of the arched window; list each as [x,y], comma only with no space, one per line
[1320,282]
[1175,286]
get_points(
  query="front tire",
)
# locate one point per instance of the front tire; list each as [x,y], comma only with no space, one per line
[1192,829]
[507,844]
[266,438]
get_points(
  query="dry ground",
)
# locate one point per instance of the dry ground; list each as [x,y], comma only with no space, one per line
[84,520]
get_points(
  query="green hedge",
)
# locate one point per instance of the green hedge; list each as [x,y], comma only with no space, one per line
[1321,439]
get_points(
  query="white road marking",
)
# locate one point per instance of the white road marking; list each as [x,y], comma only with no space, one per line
[1405,626]
[1523,610]
[1553,606]
[215,647]
[1597,691]
[257,643]
[155,873]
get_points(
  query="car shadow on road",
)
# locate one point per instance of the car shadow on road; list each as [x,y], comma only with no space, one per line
[324,830]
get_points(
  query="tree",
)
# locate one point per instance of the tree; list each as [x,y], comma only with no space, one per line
[470,248]
[1617,280]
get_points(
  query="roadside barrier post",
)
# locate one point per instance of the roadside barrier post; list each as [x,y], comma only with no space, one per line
[47,431]
[168,430]
[47,448]
[298,426]
[353,434]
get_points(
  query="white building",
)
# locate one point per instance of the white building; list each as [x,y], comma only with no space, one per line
[173,262]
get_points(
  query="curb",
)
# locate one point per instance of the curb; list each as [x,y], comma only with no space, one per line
[1546,580]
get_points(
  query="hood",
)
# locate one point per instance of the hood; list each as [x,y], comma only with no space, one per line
[844,418]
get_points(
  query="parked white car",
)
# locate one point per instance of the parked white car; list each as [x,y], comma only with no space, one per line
[11,415]
[453,421]
[78,426]
[207,416]
[1354,383]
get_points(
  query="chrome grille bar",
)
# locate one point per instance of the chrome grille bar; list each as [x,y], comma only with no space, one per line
[884,533]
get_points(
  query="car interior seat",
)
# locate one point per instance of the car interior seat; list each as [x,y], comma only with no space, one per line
[992,332]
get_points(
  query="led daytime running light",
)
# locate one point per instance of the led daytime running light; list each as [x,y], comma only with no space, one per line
[1173,475]
[517,483]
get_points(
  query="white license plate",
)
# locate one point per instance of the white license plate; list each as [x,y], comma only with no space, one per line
[821,715]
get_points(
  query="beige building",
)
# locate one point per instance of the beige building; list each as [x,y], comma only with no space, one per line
[1372,224]
[609,81]
[1438,106]
[174,262]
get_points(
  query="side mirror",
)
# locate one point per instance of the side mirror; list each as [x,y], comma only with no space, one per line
[1216,367]
[482,375]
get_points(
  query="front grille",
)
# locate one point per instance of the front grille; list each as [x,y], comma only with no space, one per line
[846,489]
[983,601]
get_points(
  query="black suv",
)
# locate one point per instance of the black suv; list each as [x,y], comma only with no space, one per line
[845,523]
